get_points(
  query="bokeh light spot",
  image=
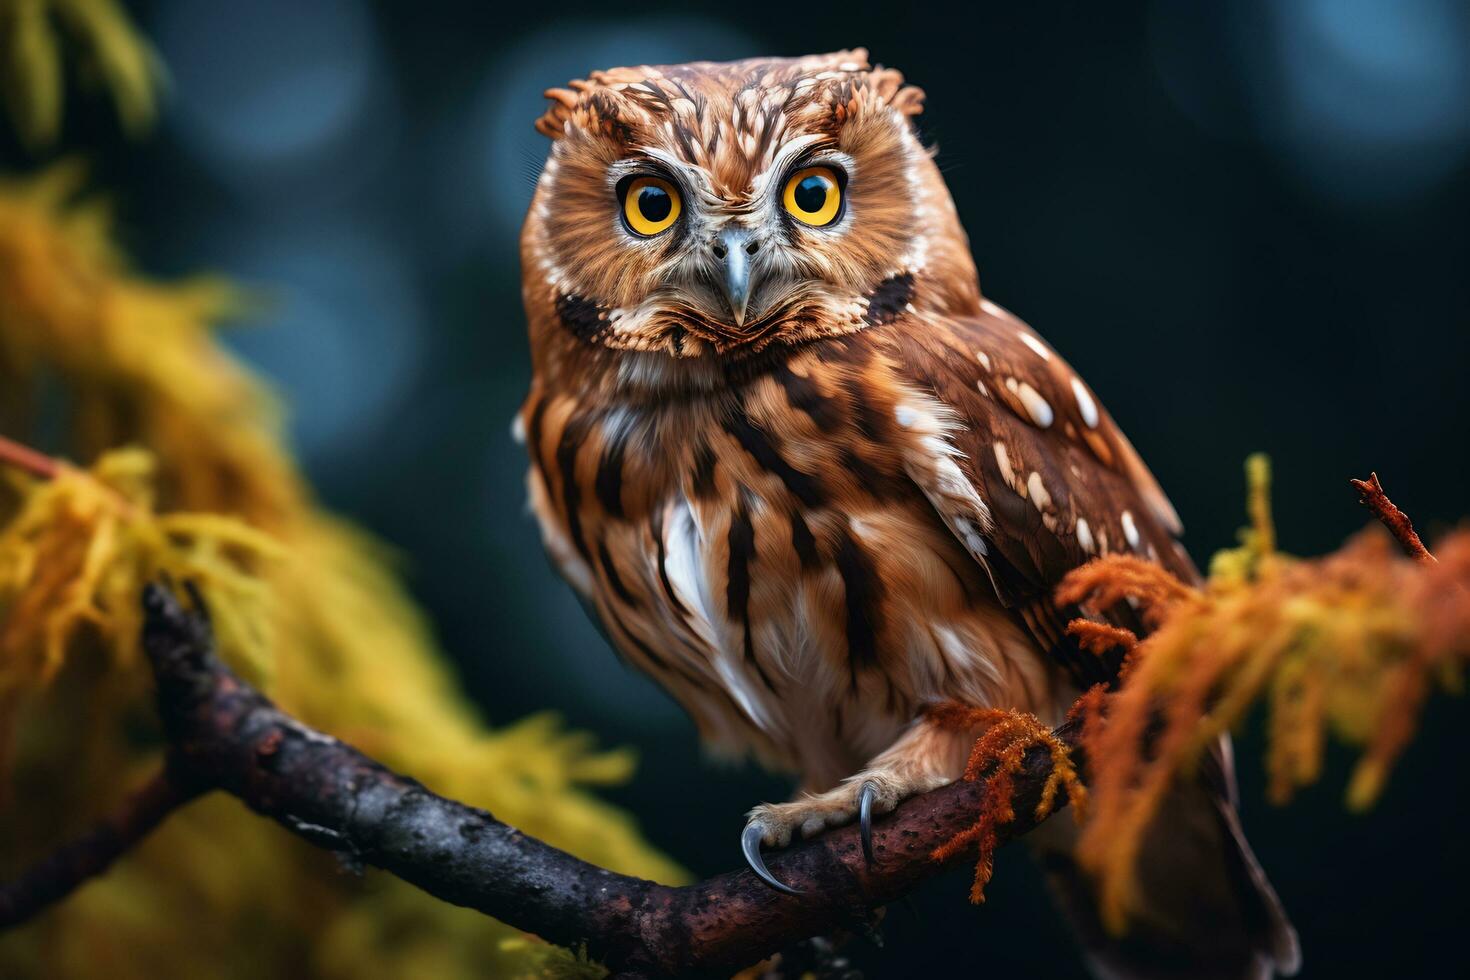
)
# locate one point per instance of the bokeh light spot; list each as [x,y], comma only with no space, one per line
[268,83]
[344,339]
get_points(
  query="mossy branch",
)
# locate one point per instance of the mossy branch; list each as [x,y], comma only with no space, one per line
[225,735]
[63,870]
[1350,642]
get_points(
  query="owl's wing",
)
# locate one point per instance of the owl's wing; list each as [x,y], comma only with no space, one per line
[1057,483]
[1022,451]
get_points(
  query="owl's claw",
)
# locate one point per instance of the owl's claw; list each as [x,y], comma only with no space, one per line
[865,818]
[750,846]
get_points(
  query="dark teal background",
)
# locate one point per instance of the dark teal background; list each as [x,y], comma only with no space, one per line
[1245,224]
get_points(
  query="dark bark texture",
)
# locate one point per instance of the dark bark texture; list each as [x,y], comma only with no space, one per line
[225,735]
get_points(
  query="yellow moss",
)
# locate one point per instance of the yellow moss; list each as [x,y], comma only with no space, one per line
[35,35]
[78,551]
[1231,566]
[1349,644]
[304,602]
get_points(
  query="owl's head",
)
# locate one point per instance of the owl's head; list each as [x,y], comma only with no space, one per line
[713,210]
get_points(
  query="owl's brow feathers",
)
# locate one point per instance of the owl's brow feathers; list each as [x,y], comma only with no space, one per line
[728,119]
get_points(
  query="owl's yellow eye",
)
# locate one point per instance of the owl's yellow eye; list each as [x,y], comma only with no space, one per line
[813,196]
[651,205]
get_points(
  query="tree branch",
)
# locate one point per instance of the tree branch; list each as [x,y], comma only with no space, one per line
[223,734]
[25,458]
[55,877]
[1371,495]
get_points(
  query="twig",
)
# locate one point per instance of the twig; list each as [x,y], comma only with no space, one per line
[223,734]
[1371,495]
[90,855]
[25,458]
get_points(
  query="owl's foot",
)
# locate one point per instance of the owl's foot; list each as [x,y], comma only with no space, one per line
[925,757]
[783,818]
[774,824]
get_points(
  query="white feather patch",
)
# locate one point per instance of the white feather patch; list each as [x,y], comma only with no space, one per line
[1130,530]
[1085,404]
[684,566]
[1084,536]
[1037,346]
[932,461]
[684,551]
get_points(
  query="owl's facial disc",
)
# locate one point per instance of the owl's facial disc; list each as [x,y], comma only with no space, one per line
[734,259]
[717,209]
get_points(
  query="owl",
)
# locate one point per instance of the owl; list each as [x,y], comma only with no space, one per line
[813,482]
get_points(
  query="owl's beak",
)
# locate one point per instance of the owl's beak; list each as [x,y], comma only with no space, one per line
[734,247]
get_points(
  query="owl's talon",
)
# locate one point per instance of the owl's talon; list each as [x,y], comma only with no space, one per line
[865,818]
[750,846]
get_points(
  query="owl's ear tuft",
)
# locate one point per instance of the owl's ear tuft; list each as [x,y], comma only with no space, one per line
[553,122]
[592,104]
[888,84]
[595,99]
[565,102]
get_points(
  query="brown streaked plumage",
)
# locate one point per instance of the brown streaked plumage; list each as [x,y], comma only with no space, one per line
[808,478]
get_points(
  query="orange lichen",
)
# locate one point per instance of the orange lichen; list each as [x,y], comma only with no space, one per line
[997,757]
[1099,638]
[1105,582]
[1349,644]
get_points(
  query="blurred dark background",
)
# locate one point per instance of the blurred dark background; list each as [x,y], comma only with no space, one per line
[1246,224]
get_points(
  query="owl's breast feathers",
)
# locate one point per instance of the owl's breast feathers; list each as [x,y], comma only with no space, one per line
[864,524]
